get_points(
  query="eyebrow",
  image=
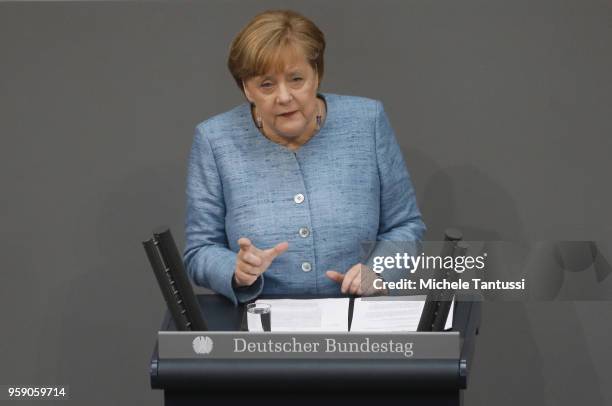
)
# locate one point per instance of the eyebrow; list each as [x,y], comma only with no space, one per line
[293,72]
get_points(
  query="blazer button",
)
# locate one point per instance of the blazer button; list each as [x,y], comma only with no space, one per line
[306,267]
[304,232]
[299,198]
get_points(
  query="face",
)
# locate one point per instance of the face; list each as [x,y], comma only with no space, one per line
[286,101]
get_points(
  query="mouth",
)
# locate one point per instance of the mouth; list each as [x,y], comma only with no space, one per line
[288,114]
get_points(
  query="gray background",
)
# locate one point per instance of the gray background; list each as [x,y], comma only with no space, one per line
[502,110]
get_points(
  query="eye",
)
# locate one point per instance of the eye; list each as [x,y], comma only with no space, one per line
[297,79]
[266,85]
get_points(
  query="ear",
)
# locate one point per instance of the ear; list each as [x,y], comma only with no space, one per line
[318,78]
[247,93]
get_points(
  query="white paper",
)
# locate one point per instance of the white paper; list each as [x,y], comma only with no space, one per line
[449,319]
[306,315]
[400,313]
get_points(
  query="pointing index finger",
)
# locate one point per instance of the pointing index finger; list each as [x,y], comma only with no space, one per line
[335,276]
[277,249]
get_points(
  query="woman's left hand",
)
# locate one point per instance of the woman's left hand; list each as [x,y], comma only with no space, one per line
[359,280]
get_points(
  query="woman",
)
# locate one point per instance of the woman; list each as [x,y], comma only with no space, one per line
[284,188]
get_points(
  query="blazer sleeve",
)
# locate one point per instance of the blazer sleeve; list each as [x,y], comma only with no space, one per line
[401,226]
[208,259]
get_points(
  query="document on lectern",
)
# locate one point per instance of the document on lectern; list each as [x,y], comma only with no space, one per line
[307,314]
[449,320]
[402,314]
[397,314]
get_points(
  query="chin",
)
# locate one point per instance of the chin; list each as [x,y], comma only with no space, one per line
[288,134]
[291,131]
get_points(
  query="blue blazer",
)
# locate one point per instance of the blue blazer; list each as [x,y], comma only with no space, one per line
[346,185]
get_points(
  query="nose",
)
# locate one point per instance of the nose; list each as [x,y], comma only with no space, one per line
[284,94]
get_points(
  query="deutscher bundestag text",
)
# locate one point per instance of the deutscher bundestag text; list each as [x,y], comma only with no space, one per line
[330,345]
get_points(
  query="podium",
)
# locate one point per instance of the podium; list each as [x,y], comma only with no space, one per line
[194,381]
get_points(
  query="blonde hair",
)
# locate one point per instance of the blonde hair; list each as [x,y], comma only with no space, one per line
[263,43]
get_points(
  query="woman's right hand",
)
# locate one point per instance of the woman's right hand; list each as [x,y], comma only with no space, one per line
[252,261]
